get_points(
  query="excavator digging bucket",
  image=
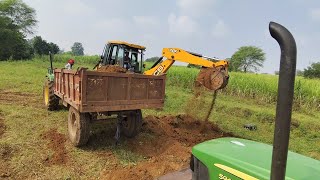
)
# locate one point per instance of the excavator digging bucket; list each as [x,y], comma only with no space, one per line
[213,78]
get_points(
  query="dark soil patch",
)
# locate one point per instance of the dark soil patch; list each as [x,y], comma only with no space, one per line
[57,144]
[19,98]
[6,153]
[2,126]
[112,68]
[165,143]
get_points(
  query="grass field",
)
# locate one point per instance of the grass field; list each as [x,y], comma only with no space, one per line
[250,98]
[258,86]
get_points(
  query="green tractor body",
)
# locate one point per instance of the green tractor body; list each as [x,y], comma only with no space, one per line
[234,158]
[50,74]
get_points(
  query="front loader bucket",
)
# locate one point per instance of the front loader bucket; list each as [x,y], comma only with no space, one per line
[212,78]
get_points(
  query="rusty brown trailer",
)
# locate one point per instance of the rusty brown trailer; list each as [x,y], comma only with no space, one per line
[92,91]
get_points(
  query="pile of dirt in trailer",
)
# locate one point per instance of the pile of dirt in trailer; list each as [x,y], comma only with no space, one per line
[112,68]
[165,143]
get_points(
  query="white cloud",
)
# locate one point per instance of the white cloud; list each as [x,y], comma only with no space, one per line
[315,14]
[113,25]
[196,7]
[220,29]
[181,25]
[145,20]
[76,7]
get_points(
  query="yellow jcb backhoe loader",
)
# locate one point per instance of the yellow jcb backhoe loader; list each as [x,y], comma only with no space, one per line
[213,74]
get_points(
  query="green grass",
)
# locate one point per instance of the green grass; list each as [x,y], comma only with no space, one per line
[264,86]
[258,86]
[26,120]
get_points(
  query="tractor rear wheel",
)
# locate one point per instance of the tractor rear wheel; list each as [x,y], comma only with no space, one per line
[78,127]
[51,101]
[131,124]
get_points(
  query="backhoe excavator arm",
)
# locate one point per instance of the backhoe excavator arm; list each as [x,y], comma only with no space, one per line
[177,54]
[213,75]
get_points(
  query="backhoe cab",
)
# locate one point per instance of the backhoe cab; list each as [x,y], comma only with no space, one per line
[123,54]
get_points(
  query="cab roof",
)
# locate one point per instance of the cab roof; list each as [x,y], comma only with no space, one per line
[127,44]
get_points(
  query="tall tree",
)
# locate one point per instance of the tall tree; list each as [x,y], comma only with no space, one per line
[42,47]
[312,71]
[16,20]
[77,49]
[13,45]
[248,58]
[20,14]
[54,48]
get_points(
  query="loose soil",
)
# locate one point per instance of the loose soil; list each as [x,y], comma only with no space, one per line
[112,68]
[57,145]
[165,143]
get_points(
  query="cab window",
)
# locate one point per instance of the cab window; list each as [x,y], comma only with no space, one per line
[120,56]
[114,52]
[136,60]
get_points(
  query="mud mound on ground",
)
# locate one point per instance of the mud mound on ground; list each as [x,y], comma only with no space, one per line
[165,143]
[182,128]
[57,144]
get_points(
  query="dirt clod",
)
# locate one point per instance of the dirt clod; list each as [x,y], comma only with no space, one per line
[57,144]
[112,68]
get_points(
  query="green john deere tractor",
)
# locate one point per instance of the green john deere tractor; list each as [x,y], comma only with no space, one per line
[234,158]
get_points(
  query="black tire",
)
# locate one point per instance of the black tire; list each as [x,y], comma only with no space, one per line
[51,101]
[191,163]
[132,123]
[78,127]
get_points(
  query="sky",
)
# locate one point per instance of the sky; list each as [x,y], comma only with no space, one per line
[215,28]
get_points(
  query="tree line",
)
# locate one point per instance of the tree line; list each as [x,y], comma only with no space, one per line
[17,20]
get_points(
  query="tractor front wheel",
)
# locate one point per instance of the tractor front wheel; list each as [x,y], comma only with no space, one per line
[51,101]
[78,127]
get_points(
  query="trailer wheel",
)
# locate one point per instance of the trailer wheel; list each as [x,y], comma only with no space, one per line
[50,100]
[132,123]
[78,127]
